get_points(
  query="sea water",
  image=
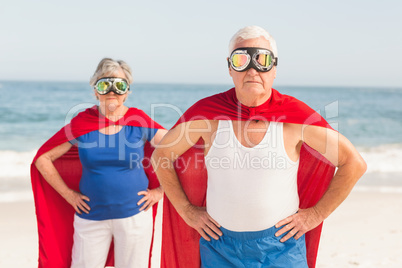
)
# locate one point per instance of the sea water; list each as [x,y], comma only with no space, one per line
[31,112]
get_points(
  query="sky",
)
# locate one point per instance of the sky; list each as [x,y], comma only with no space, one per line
[320,43]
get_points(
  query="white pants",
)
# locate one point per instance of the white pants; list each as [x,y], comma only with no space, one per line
[132,241]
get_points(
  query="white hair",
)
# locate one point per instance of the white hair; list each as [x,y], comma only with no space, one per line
[107,66]
[251,32]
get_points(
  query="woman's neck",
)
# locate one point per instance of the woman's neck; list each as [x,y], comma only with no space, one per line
[112,111]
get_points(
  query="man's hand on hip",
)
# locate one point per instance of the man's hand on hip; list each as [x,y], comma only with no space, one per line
[298,224]
[199,219]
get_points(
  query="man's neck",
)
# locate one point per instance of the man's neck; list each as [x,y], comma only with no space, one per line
[253,101]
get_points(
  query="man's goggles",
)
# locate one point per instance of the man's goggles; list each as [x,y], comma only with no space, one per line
[244,58]
[107,84]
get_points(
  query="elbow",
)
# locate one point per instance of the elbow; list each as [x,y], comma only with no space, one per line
[43,161]
[363,166]
[353,166]
[40,161]
[41,164]
[360,166]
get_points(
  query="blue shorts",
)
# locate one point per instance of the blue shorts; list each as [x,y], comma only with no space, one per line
[253,249]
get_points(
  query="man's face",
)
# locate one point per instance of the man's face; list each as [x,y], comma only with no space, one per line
[252,81]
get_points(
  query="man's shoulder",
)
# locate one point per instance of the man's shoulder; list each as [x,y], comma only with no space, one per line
[202,123]
[292,126]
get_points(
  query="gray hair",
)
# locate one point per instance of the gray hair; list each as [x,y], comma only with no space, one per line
[251,32]
[107,66]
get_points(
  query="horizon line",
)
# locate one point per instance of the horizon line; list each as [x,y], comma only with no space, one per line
[206,83]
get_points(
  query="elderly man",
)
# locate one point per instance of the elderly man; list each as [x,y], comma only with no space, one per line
[255,143]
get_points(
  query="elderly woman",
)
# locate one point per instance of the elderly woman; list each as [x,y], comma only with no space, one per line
[113,199]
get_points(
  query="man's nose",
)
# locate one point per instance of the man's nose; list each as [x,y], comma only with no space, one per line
[252,71]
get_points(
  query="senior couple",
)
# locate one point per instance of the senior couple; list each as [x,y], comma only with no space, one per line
[93,205]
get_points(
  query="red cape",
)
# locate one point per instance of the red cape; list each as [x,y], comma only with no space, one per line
[180,246]
[54,215]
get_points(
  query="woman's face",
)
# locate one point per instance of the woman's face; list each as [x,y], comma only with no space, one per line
[112,100]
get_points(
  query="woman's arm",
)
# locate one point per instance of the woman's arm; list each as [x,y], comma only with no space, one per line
[46,167]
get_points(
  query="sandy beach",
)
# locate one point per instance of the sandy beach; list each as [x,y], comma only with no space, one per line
[364,231]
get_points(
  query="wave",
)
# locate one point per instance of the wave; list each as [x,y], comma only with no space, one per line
[380,159]
[15,164]
[379,189]
[383,158]
[16,196]
[15,183]
[384,172]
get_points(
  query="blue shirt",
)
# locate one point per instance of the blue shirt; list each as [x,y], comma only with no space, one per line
[112,171]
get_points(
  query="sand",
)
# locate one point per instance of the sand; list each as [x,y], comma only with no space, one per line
[18,235]
[365,231]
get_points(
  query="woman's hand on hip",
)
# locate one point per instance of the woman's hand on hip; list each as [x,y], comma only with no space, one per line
[150,198]
[77,200]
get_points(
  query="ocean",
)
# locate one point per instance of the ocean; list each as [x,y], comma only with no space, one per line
[31,112]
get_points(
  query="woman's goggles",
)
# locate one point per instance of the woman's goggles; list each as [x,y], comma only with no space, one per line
[244,58]
[107,84]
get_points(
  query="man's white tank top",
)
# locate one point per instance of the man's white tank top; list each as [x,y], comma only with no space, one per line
[250,189]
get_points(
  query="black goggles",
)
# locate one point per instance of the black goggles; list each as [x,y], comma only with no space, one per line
[117,85]
[244,58]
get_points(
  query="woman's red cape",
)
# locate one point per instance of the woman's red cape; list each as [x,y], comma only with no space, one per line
[54,214]
[179,241]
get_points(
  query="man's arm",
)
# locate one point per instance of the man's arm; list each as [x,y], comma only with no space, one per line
[351,166]
[152,196]
[177,141]
[158,137]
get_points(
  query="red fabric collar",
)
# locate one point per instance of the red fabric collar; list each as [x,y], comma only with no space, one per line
[91,120]
[278,108]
